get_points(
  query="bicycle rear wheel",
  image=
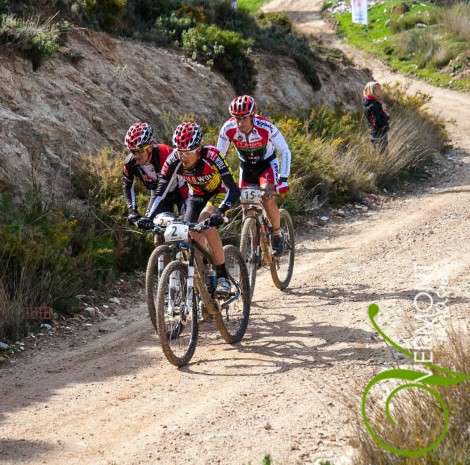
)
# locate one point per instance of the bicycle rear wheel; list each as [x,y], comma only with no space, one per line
[178,329]
[159,257]
[282,267]
[232,321]
[249,249]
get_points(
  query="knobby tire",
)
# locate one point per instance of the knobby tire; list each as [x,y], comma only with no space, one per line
[176,334]
[287,258]
[152,276]
[232,323]
[248,247]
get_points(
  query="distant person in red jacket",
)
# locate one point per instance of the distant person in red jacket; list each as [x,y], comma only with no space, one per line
[144,163]
[377,115]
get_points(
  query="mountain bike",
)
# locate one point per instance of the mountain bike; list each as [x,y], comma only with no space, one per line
[257,236]
[185,294]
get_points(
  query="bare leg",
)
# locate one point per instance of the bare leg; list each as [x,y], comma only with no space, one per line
[211,239]
[272,210]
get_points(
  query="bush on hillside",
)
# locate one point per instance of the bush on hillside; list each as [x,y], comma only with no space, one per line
[106,14]
[38,39]
[225,51]
[45,259]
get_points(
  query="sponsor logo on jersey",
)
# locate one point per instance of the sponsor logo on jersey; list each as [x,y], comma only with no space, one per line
[263,124]
[256,144]
[199,180]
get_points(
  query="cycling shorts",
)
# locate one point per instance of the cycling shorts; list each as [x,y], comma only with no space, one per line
[197,203]
[259,174]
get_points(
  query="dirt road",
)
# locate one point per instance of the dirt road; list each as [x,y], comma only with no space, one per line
[114,400]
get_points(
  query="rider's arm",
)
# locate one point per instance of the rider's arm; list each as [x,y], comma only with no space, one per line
[283,150]
[128,188]
[233,192]
[223,143]
[153,196]
[166,183]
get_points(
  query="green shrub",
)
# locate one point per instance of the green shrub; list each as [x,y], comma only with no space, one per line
[42,258]
[38,39]
[307,68]
[224,50]
[174,26]
[106,14]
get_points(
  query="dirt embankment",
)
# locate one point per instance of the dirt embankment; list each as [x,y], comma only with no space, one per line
[114,399]
[86,97]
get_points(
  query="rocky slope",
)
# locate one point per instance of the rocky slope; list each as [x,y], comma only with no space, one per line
[87,95]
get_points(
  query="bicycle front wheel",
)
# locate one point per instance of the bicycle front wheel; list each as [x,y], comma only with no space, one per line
[157,261]
[232,321]
[282,267]
[249,248]
[177,326]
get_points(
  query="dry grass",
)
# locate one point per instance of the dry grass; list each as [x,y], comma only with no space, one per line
[457,20]
[419,415]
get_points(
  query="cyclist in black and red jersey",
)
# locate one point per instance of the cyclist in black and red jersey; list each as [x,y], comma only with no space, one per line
[212,189]
[256,141]
[144,163]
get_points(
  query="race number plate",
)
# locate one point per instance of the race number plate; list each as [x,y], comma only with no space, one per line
[250,195]
[176,232]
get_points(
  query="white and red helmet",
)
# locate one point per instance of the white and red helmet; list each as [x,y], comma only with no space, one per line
[243,105]
[187,136]
[139,135]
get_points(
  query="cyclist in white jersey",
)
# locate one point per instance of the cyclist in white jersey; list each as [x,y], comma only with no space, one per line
[257,140]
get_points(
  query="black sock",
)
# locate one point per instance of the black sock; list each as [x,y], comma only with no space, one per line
[220,270]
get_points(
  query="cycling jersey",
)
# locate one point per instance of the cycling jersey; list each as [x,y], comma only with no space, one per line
[209,175]
[148,176]
[257,147]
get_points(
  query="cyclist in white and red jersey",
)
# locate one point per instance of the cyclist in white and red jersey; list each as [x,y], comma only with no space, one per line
[257,140]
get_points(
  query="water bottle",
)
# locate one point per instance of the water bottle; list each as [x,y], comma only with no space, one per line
[211,280]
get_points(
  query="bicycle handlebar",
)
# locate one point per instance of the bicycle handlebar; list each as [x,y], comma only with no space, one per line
[197,227]
[155,228]
[203,225]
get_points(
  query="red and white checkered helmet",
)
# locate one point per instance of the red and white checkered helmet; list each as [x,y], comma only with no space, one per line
[187,136]
[242,106]
[139,135]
